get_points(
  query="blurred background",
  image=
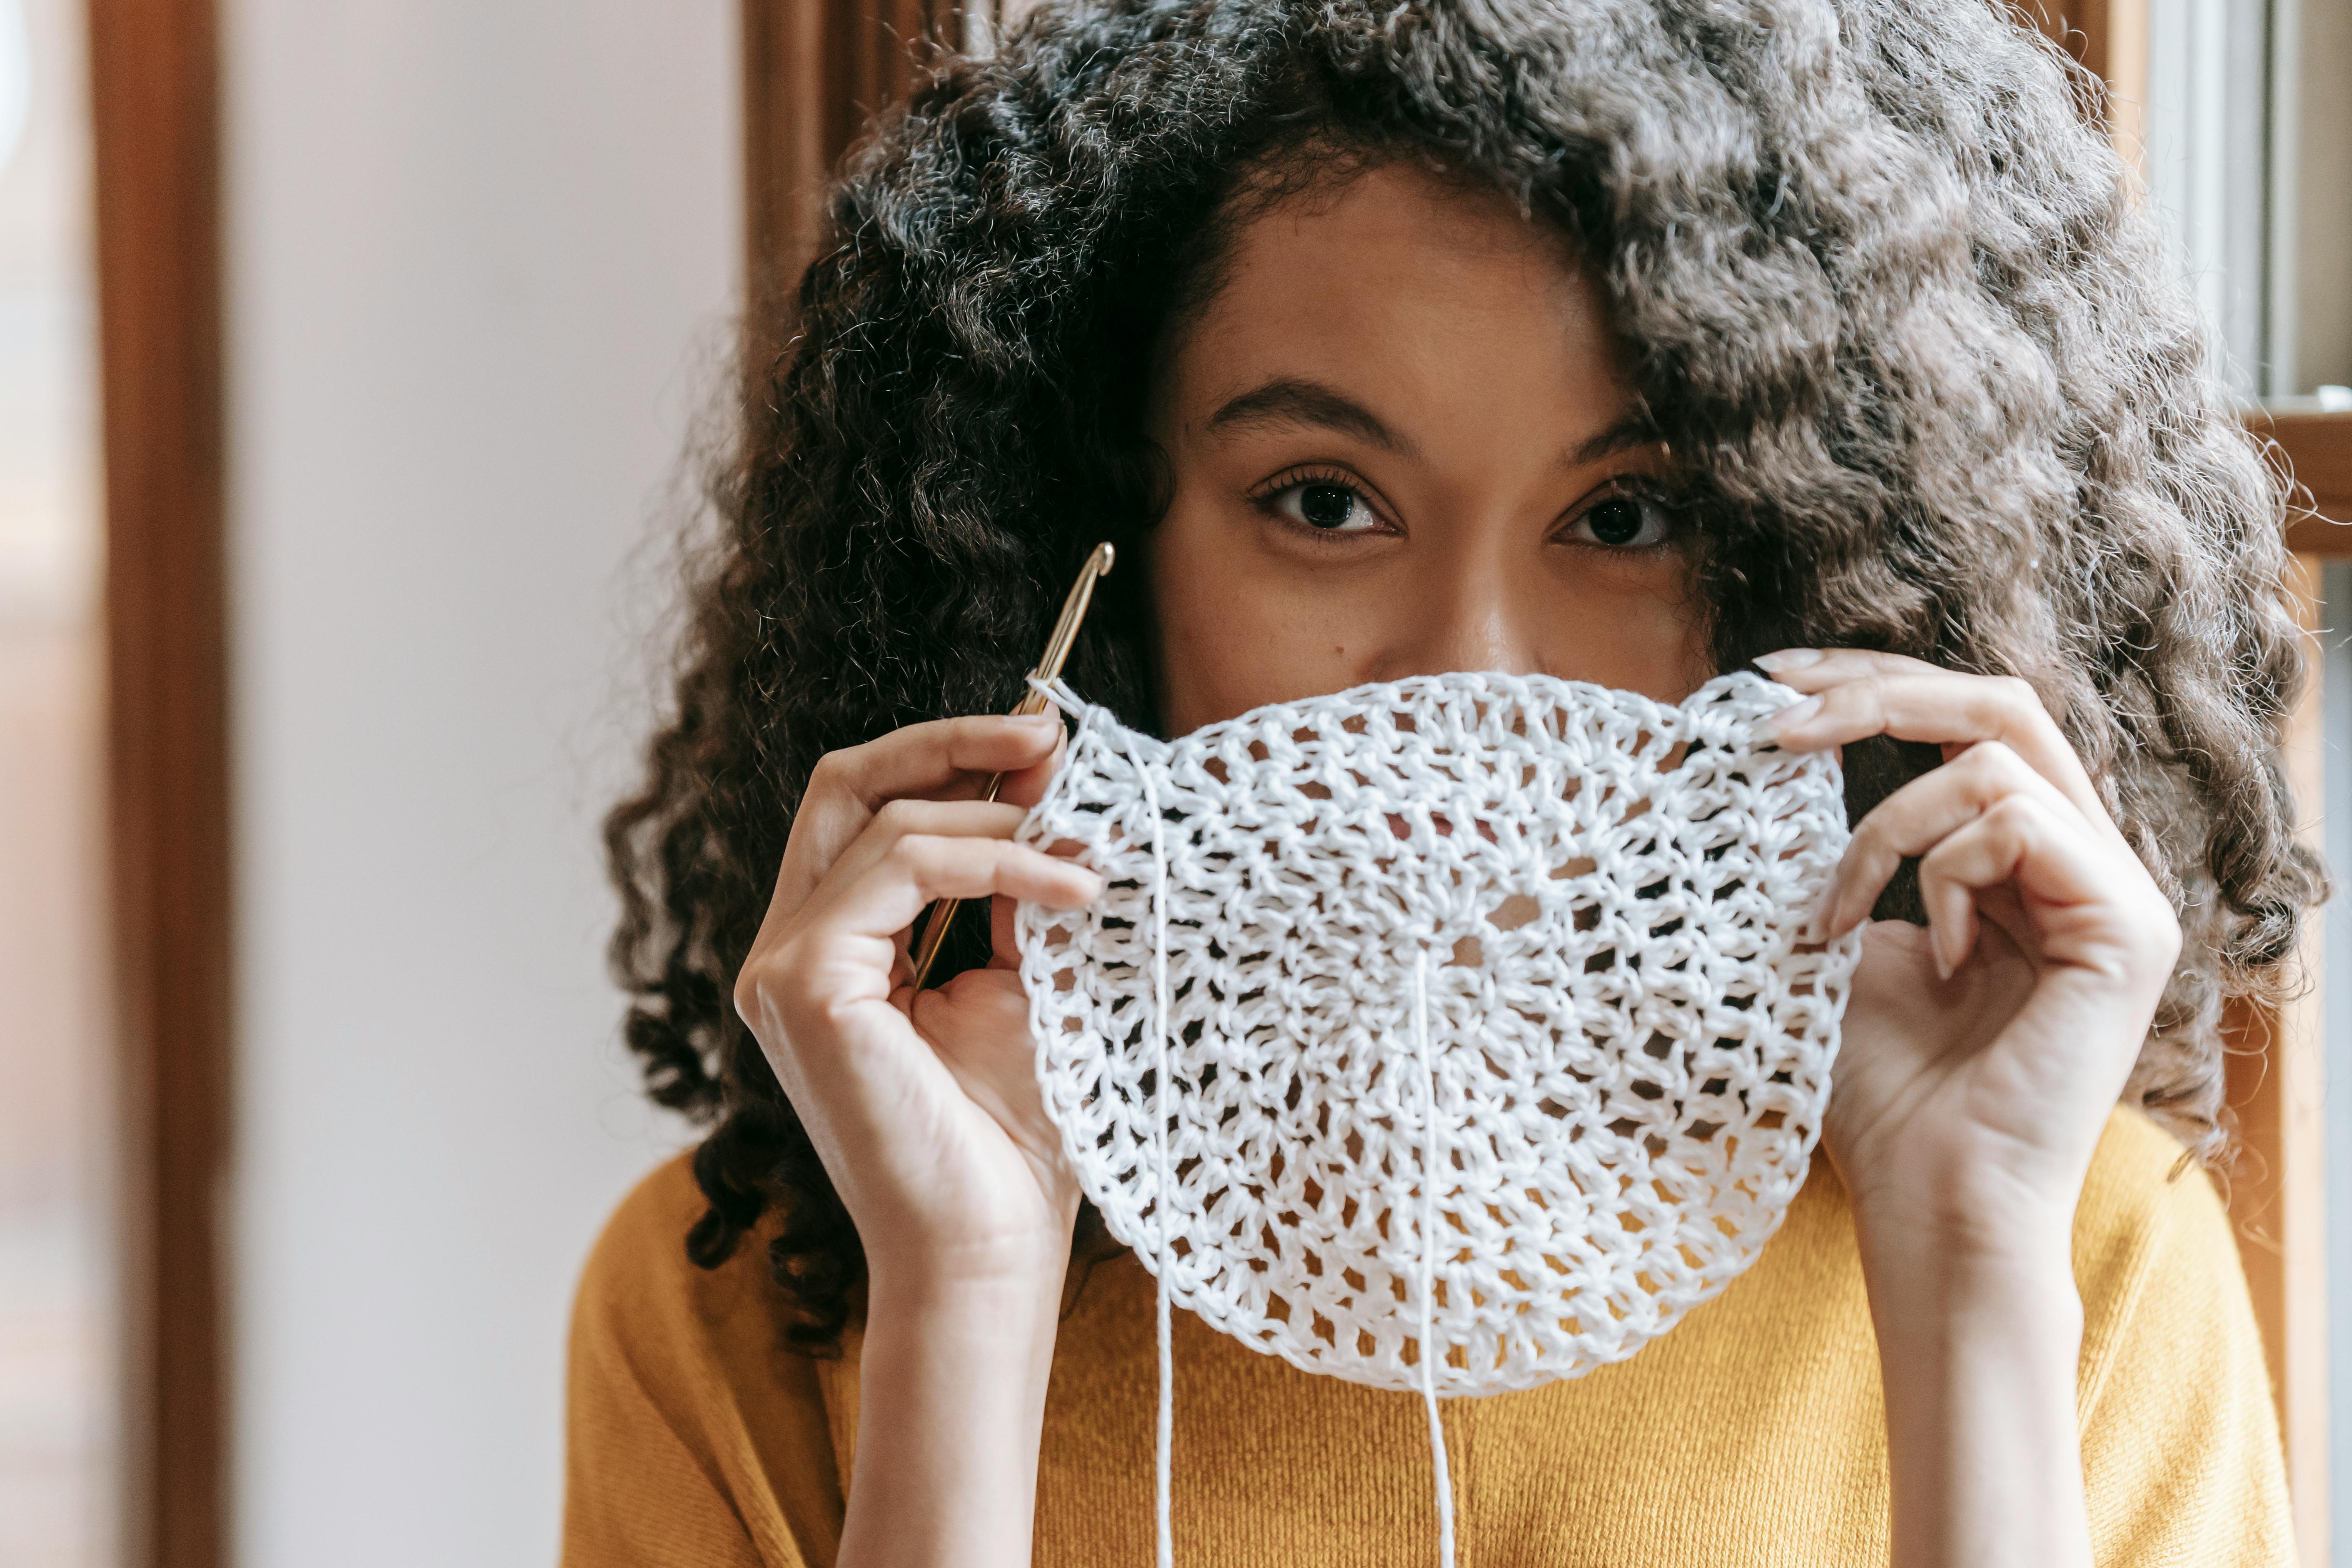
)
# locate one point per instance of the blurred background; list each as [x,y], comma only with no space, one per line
[349,355]
[57,1324]
[475,261]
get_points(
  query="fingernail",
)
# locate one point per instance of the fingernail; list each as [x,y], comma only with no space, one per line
[1040,722]
[1787,658]
[1936,948]
[1789,718]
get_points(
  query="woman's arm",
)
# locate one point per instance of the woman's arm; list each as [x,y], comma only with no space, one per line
[951,1404]
[1978,1355]
[1983,1058]
[926,1112]
[959,1346]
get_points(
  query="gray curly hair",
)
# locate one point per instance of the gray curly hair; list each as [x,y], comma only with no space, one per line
[1883,288]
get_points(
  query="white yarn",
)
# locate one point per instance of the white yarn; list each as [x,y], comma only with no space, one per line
[1162,1480]
[1430,1149]
[1534,949]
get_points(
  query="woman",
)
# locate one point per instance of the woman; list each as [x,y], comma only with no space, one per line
[1623,341]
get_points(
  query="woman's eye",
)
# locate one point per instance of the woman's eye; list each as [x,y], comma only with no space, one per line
[1622,522]
[1326,507]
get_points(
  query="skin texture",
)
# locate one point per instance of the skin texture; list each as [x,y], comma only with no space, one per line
[1479,536]
[1488,364]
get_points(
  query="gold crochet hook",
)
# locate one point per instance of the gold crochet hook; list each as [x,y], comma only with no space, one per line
[1049,667]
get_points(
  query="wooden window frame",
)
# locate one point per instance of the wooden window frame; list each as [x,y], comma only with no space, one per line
[2317,449]
[156,159]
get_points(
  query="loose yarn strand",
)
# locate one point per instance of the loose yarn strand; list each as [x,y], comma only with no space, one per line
[1163,1466]
[1429,1159]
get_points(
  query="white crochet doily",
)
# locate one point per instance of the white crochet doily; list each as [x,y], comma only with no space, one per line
[1572,917]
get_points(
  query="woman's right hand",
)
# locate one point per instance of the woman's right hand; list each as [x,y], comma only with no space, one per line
[924,1107]
[926,1111]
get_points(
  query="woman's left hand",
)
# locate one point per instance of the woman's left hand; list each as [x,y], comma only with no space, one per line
[1984,1053]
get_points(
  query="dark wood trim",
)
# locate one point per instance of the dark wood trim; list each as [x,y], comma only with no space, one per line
[814,70]
[154,68]
[2078,27]
[784,156]
[2317,449]
[2109,37]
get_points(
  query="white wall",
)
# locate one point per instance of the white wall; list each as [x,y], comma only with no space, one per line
[480,252]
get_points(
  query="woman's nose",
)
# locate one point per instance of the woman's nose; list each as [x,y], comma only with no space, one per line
[1466,616]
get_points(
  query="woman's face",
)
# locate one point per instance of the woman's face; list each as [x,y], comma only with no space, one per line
[1402,443]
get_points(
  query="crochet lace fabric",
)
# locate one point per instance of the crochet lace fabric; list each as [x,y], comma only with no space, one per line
[1469,1011]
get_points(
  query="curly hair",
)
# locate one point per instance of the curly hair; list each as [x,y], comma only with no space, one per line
[1884,288]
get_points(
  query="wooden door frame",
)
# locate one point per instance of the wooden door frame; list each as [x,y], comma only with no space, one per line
[156,147]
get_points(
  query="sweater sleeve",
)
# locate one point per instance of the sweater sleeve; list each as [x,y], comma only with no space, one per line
[2180,1441]
[693,1437]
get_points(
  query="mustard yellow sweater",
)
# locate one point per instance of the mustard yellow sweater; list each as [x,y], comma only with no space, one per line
[1752,1434]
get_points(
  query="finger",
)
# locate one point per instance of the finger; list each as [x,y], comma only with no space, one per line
[923,758]
[2000,909]
[1857,695]
[1026,787]
[895,821]
[941,819]
[976,1017]
[2021,842]
[1914,818]
[921,868]
[920,760]
[1004,928]
[1810,669]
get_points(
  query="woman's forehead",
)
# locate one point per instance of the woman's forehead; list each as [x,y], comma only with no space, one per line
[1402,300]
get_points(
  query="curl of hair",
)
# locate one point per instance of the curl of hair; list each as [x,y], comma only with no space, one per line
[1883,287]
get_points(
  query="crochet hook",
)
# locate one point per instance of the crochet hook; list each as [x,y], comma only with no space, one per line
[1049,667]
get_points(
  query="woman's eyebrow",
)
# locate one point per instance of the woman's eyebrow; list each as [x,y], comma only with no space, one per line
[1633,431]
[1291,402]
